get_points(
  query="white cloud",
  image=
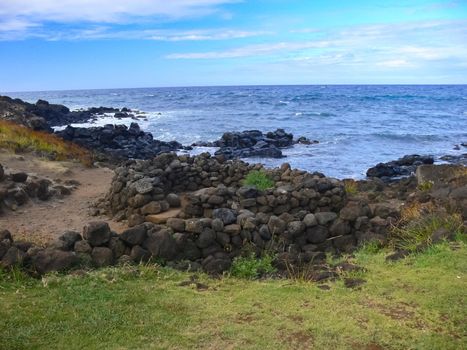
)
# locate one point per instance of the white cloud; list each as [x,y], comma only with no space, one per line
[109,11]
[394,63]
[19,17]
[395,46]
[198,35]
[252,50]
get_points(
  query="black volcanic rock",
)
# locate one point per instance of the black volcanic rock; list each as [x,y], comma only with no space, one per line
[252,143]
[402,167]
[118,142]
[43,115]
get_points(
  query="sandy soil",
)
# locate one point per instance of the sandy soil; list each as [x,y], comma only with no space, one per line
[42,221]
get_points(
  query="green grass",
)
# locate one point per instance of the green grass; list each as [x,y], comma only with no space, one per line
[259,179]
[251,267]
[415,303]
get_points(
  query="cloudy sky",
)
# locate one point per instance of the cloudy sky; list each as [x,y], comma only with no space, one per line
[80,44]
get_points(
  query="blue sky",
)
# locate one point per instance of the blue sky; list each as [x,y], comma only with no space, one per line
[80,44]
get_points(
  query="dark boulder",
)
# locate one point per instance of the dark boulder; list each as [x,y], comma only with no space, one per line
[97,233]
[161,245]
[228,216]
[47,260]
[135,235]
[102,256]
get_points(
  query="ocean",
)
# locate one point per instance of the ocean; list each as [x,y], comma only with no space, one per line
[357,126]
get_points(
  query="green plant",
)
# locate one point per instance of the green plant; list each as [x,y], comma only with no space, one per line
[425,186]
[251,267]
[350,186]
[410,235]
[259,179]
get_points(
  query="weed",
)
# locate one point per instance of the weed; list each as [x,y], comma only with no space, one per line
[425,186]
[259,179]
[251,267]
[350,187]
[411,234]
[22,139]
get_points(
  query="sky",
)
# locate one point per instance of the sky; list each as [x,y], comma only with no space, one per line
[88,44]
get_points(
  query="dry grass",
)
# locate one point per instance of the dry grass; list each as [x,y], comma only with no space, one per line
[419,221]
[350,186]
[21,139]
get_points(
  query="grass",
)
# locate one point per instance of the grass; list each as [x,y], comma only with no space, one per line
[259,179]
[21,139]
[419,222]
[251,267]
[350,187]
[415,303]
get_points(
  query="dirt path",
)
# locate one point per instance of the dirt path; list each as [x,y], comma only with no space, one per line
[42,221]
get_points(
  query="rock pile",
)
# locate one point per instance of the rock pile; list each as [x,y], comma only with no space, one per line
[253,143]
[118,142]
[301,218]
[17,188]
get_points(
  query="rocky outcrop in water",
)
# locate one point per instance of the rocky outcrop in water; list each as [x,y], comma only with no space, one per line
[253,143]
[404,166]
[118,142]
[43,115]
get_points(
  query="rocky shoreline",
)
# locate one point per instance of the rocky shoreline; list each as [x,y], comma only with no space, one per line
[197,212]
[116,143]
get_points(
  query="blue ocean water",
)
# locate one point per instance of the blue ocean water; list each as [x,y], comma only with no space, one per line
[357,125]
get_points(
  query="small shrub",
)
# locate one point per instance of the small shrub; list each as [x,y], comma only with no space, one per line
[425,186]
[350,187]
[251,267]
[259,179]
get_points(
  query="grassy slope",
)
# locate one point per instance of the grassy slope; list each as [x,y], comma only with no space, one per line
[417,303]
[21,139]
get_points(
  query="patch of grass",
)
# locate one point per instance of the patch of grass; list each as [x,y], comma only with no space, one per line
[350,186]
[415,303]
[425,186]
[251,267]
[22,139]
[409,235]
[259,179]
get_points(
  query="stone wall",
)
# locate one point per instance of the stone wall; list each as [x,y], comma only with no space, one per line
[304,216]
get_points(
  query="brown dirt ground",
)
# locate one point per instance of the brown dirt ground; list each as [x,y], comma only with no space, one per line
[42,221]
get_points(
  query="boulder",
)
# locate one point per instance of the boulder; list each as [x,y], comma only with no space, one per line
[69,238]
[48,260]
[139,254]
[82,247]
[173,200]
[228,216]
[135,235]
[276,225]
[310,220]
[317,234]
[19,177]
[325,218]
[97,233]
[178,225]
[13,257]
[102,256]
[161,245]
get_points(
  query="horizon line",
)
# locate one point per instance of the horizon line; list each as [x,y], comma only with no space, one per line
[220,86]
